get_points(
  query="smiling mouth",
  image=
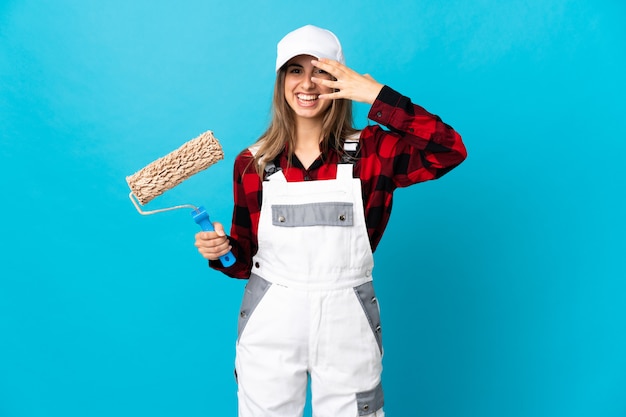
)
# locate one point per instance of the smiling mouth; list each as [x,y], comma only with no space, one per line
[307,98]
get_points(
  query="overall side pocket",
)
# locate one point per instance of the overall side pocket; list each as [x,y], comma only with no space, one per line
[369,302]
[253,294]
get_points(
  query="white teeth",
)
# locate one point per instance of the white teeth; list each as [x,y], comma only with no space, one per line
[307,97]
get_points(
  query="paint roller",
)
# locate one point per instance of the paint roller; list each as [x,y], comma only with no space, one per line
[170,170]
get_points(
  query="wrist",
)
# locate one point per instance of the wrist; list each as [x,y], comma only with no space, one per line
[374,93]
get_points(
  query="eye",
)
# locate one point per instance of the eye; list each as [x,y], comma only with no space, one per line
[294,69]
[320,73]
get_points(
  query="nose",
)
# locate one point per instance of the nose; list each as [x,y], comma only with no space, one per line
[308,83]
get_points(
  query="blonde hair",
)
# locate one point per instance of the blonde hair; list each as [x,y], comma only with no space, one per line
[337,124]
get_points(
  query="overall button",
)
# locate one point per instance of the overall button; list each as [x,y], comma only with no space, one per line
[342,217]
[281,219]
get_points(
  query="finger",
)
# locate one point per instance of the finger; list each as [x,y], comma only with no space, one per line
[209,241]
[325,63]
[333,67]
[220,250]
[203,236]
[214,252]
[335,84]
[216,242]
[332,96]
[219,229]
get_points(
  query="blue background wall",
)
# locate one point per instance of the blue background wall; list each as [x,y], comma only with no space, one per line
[502,284]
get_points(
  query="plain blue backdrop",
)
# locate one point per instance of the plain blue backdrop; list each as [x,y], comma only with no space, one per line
[502,285]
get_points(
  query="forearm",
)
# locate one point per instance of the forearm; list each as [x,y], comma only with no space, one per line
[439,143]
[419,146]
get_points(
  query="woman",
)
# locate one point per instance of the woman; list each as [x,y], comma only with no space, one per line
[312,199]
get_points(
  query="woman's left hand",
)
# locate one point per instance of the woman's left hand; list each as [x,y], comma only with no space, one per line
[347,83]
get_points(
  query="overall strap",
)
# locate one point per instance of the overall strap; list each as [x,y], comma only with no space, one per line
[351,149]
[271,167]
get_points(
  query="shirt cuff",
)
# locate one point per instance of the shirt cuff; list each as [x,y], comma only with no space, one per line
[382,109]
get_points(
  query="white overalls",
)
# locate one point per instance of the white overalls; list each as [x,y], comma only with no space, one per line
[309,307]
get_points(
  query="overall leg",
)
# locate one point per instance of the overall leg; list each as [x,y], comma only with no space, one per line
[271,359]
[346,369]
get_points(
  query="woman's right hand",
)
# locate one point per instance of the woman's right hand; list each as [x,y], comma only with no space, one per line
[347,83]
[212,245]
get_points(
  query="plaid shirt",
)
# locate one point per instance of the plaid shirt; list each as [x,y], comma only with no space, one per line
[416,146]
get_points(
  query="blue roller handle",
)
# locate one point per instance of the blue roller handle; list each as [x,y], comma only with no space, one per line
[201,217]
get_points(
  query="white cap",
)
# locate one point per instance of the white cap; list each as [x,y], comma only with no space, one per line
[308,40]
